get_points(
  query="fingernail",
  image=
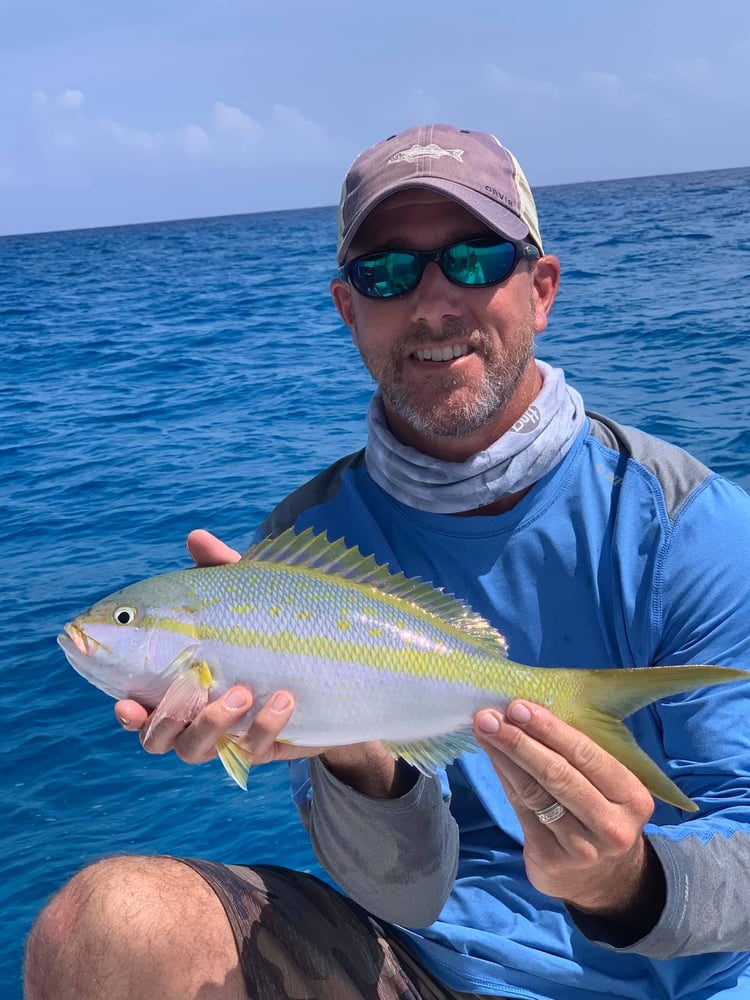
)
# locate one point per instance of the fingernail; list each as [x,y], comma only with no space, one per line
[518,712]
[235,700]
[123,720]
[281,703]
[487,722]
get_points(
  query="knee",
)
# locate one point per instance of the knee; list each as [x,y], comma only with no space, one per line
[106,905]
[101,897]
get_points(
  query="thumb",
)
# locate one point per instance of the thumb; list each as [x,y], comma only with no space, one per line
[208,550]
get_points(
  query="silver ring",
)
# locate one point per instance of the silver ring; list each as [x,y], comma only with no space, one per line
[551,814]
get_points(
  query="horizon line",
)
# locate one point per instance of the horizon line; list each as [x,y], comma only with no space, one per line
[313,208]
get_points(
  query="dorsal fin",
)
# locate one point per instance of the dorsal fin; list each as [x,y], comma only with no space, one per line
[315,552]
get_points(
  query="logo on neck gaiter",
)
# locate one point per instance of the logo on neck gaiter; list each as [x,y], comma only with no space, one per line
[528,422]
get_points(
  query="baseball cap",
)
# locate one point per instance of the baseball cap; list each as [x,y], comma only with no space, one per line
[472,168]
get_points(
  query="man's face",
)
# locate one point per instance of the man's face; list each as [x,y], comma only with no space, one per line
[477,378]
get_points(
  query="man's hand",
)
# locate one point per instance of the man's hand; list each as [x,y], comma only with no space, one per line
[594,857]
[195,742]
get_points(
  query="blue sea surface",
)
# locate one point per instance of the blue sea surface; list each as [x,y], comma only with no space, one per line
[164,377]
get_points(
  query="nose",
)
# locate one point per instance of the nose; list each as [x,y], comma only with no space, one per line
[435,297]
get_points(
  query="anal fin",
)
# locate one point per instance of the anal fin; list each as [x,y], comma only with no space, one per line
[428,756]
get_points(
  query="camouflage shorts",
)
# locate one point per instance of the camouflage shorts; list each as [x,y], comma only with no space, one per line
[299,939]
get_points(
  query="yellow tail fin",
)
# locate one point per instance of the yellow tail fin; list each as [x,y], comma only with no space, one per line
[607,696]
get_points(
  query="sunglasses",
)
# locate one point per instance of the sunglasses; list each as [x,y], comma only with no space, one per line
[470,264]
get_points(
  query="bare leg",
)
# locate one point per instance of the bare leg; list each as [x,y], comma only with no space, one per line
[133,927]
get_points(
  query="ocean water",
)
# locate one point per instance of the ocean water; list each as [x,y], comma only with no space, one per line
[164,377]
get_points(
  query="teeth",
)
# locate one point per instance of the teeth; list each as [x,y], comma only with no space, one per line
[446,353]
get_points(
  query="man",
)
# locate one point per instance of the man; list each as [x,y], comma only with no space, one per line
[541,867]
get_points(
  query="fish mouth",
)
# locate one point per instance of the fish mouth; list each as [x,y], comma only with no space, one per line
[83,643]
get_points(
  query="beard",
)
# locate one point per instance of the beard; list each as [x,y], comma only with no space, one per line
[453,405]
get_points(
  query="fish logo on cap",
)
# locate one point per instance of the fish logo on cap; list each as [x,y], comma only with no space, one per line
[434,151]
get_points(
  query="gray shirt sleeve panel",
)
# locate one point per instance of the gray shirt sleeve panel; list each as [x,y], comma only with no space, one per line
[677,472]
[395,857]
[708,886]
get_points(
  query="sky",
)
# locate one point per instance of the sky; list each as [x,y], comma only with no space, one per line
[124,111]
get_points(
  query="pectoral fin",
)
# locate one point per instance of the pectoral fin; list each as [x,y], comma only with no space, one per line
[187,695]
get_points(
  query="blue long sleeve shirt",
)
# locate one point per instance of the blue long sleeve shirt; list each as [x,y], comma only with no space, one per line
[629,553]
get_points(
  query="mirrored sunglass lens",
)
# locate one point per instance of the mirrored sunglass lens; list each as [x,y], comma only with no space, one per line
[474,264]
[386,275]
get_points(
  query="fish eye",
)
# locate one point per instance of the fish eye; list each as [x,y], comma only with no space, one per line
[124,616]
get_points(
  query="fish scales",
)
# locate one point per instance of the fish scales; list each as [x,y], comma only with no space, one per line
[361,647]
[367,654]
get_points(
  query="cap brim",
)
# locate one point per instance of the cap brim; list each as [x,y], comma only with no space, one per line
[497,217]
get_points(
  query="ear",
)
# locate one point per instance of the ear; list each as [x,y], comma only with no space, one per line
[546,279]
[341,293]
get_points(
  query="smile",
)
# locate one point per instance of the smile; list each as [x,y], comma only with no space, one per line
[446,353]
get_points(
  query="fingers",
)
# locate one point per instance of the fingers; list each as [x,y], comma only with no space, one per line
[136,719]
[545,760]
[262,736]
[130,715]
[527,795]
[196,742]
[207,550]
[593,856]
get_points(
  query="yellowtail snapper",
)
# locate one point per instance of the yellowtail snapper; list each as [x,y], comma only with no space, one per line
[367,654]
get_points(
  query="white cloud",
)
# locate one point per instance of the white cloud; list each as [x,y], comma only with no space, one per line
[609,87]
[125,137]
[228,135]
[506,84]
[602,85]
[195,141]
[235,123]
[601,81]
[719,82]
[70,99]
[298,138]
[67,99]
